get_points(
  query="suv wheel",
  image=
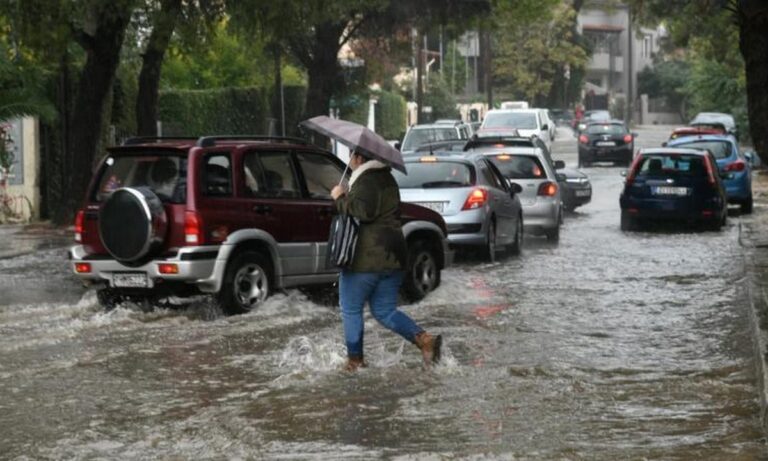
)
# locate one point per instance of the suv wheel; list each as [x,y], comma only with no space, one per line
[423,273]
[246,283]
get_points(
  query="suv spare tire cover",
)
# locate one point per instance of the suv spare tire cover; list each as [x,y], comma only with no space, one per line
[132,224]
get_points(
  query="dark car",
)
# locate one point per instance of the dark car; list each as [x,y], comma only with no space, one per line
[562,117]
[673,185]
[590,116]
[607,141]
[236,217]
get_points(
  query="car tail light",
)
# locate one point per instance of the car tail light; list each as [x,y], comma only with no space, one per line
[477,198]
[83,268]
[710,171]
[633,170]
[547,189]
[583,139]
[79,219]
[627,138]
[168,268]
[193,228]
[738,165]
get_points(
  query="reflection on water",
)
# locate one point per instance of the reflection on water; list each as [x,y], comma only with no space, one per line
[606,345]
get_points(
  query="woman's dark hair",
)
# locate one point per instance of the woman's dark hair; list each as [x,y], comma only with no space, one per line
[362,156]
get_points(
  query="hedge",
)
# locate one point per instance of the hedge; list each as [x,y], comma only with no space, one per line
[391,115]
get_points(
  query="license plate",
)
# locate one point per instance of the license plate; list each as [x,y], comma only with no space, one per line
[668,190]
[434,206]
[605,143]
[130,280]
[583,193]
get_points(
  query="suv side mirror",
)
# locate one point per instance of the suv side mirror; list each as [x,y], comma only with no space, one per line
[559,164]
[397,146]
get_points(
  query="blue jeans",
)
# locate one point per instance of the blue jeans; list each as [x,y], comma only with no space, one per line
[380,289]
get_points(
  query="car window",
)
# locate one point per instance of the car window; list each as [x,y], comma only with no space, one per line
[273,173]
[677,164]
[166,175]
[417,137]
[495,178]
[217,175]
[520,120]
[426,175]
[519,166]
[321,174]
[601,128]
[720,149]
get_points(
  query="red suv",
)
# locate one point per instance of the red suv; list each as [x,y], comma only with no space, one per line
[237,217]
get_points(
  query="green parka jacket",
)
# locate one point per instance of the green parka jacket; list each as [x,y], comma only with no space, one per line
[374,199]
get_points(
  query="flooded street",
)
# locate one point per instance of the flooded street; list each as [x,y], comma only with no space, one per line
[607,345]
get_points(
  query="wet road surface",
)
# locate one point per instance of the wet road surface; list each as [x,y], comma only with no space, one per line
[604,346]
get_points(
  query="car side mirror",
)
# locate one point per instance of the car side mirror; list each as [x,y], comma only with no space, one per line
[559,164]
[561,177]
[514,188]
[664,144]
[544,127]
[397,146]
[750,156]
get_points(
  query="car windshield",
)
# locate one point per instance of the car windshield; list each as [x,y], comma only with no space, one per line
[671,164]
[720,149]
[519,120]
[519,166]
[613,128]
[165,174]
[418,136]
[432,175]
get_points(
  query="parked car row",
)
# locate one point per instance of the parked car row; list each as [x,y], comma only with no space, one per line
[692,178]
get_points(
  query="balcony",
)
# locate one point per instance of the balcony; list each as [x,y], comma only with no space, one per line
[601,62]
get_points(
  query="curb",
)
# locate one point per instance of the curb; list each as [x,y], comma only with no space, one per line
[759,343]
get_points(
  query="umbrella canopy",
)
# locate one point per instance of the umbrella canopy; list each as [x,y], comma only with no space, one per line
[358,138]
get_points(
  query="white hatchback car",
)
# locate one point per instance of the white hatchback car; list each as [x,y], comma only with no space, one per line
[526,122]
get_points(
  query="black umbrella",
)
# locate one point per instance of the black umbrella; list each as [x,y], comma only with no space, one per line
[358,138]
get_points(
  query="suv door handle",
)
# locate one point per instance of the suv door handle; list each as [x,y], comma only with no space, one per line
[262,209]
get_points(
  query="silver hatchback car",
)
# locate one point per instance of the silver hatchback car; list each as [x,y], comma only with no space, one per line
[480,208]
[541,195]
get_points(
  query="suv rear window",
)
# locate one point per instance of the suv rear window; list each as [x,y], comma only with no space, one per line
[426,175]
[419,136]
[165,174]
[681,165]
[720,149]
[519,166]
[521,120]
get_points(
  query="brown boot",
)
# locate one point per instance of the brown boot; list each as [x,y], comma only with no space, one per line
[430,347]
[353,363]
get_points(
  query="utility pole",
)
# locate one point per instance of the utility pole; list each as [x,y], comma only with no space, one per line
[630,67]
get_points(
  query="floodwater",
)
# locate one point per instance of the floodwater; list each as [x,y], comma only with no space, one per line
[604,346]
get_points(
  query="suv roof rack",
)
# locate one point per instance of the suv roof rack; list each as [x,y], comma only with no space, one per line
[146,139]
[210,141]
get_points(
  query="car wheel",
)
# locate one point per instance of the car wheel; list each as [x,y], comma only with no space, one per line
[246,283]
[746,206]
[490,242]
[517,245]
[423,273]
[627,222]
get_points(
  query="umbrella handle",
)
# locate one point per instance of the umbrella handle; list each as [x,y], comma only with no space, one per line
[343,175]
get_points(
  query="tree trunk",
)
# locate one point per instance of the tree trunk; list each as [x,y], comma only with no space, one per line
[753,42]
[323,68]
[93,92]
[152,62]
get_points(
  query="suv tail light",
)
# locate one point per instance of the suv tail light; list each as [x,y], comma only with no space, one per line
[627,138]
[193,228]
[79,219]
[547,189]
[477,198]
[710,171]
[633,170]
[583,139]
[738,165]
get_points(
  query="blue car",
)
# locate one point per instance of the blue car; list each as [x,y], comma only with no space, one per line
[735,167]
[673,184]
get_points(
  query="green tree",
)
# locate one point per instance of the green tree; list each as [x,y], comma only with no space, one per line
[670,80]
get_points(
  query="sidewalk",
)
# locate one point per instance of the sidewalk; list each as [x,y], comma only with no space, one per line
[753,236]
[20,239]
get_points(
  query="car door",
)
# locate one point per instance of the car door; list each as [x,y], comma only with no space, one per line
[319,172]
[274,196]
[501,202]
